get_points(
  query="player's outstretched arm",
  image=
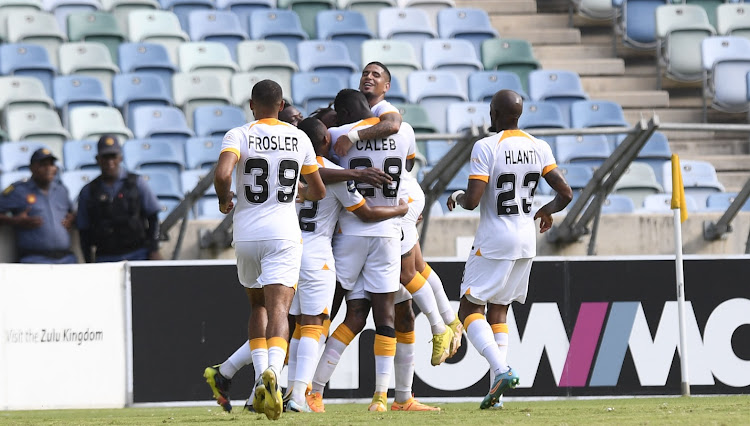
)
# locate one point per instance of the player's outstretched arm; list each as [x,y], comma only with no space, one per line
[315,189]
[377,213]
[370,175]
[223,180]
[563,196]
[389,124]
[469,200]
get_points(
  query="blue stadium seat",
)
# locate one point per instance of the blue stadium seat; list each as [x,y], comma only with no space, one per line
[468,24]
[726,63]
[147,57]
[148,154]
[157,26]
[182,8]
[369,9]
[80,155]
[346,26]
[541,115]
[411,25]
[279,25]
[12,177]
[29,60]
[89,58]
[662,203]
[166,205]
[484,84]
[590,150]
[432,7]
[133,90]
[326,56]
[219,26]
[451,55]
[16,156]
[32,26]
[62,8]
[313,90]
[190,178]
[635,22]
[394,93]
[597,114]
[464,115]
[433,90]
[436,149]
[558,86]
[160,122]
[655,152]
[617,204]
[577,175]
[202,153]
[165,184]
[217,120]
[698,177]
[73,91]
[722,200]
[243,9]
[75,180]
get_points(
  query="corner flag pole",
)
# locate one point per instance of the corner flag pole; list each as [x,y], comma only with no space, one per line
[679,209]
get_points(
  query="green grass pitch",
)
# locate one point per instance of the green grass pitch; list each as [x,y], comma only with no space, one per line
[718,410]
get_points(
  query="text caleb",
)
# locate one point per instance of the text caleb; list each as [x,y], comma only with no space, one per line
[387,144]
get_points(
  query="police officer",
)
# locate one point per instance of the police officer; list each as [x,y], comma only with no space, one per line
[41,212]
[117,212]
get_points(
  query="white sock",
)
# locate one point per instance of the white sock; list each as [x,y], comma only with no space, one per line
[240,358]
[322,345]
[276,356]
[292,364]
[403,366]
[481,336]
[327,364]
[384,349]
[443,304]
[307,357]
[425,299]
[259,353]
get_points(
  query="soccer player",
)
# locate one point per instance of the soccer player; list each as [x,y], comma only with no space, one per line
[271,155]
[317,282]
[505,171]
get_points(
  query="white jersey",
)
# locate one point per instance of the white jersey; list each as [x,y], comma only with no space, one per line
[511,162]
[388,154]
[317,219]
[410,189]
[383,107]
[272,155]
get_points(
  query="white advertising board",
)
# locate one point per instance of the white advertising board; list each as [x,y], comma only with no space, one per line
[62,336]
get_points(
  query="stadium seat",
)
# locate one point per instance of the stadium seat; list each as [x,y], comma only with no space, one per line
[307,11]
[680,29]
[514,55]
[313,90]
[595,9]
[192,90]
[710,6]
[589,150]
[91,59]
[598,114]
[451,55]
[416,115]
[411,25]
[207,58]
[638,182]
[121,8]
[217,26]
[617,204]
[164,183]
[577,175]
[654,153]
[662,203]
[62,8]
[183,8]
[558,86]
[11,177]
[157,26]
[73,91]
[394,93]
[431,7]
[472,25]
[80,155]
[217,120]
[202,153]
[346,26]
[398,56]
[98,27]
[148,154]
[16,156]
[635,22]
[242,86]
[434,90]
[464,115]
[326,56]
[722,200]
[166,122]
[733,19]
[36,27]
[267,56]
[243,9]
[41,125]
[9,7]
[24,59]
[726,63]
[369,9]
[91,122]
[189,179]
[138,89]
[279,25]
[147,57]
[23,92]
[484,84]
[541,115]
[75,180]
[698,177]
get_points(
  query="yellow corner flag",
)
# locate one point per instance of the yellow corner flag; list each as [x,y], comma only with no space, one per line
[678,189]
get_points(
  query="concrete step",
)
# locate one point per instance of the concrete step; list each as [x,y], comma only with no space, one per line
[611,83]
[693,149]
[672,115]
[572,51]
[733,181]
[587,67]
[546,36]
[580,21]
[635,99]
[504,23]
[500,7]
[726,163]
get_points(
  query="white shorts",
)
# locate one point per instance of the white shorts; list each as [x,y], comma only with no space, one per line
[260,263]
[402,295]
[314,294]
[358,292]
[496,281]
[409,234]
[375,260]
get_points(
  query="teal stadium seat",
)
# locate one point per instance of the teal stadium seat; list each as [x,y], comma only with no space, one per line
[98,27]
[307,10]
[514,55]
[680,29]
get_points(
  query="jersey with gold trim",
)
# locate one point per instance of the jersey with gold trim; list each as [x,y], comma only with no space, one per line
[511,162]
[317,220]
[388,154]
[272,155]
[383,107]
[409,188]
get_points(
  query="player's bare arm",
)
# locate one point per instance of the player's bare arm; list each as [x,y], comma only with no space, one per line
[223,180]
[469,200]
[389,124]
[377,213]
[563,196]
[371,176]
[315,189]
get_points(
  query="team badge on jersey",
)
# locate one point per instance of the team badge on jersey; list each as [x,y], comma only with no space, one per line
[31,198]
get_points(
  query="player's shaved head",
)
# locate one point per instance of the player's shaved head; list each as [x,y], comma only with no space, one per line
[505,110]
[316,131]
[351,105]
[266,98]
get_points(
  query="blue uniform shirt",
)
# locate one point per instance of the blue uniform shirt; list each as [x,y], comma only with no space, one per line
[51,207]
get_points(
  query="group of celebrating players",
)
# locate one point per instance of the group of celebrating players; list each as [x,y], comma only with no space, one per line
[354,221]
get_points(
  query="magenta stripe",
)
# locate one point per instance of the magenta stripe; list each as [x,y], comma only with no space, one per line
[583,344]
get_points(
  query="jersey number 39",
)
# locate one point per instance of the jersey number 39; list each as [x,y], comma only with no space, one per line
[257,192]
